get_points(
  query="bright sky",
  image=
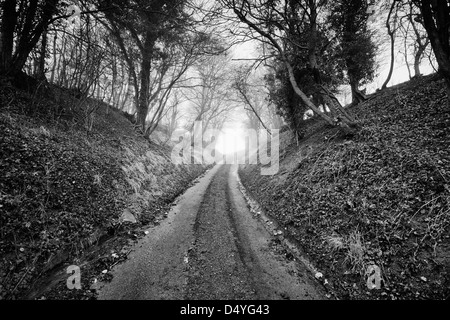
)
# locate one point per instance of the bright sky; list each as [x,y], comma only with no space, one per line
[231,140]
[247,50]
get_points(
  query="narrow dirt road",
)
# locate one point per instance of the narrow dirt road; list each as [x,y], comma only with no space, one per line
[210,247]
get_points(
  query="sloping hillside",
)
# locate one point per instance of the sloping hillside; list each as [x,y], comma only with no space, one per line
[379,198]
[64,188]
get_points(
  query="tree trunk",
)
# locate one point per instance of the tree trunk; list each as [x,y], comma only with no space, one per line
[391,67]
[8,23]
[143,105]
[312,44]
[437,36]
[357,96]
[304,98]
[421,46]
[31,34]
[41,63]
[417,59]
[436,25]
[406,60]
[392,37]
[52,76]
[344,124]
[24,45]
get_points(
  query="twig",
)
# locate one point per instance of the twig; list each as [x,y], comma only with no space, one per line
[422,207]
[120,260]
[20,281]
[9,103]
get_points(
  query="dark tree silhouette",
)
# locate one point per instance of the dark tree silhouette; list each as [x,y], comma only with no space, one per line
[349,18]
[436,20]
[21,31]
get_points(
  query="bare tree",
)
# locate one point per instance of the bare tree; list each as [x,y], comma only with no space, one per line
[138,28]
[421,40]
[414,36]
[280,25]
[177,60]
[436,19]
[391,30]
[172,116]
[210,96]
[21,30]
[252,98]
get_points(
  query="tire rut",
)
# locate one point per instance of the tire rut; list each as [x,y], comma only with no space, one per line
[216,270]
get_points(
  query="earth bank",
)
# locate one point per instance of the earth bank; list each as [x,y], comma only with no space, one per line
[380,198]
[70,181]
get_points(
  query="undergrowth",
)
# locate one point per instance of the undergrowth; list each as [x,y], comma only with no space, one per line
[380,198]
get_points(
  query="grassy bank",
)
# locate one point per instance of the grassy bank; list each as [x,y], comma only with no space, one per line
[67,177]
[379,198]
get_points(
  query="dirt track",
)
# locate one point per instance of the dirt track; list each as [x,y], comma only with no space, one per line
[210,247]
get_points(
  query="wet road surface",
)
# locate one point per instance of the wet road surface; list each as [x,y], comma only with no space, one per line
[210,247]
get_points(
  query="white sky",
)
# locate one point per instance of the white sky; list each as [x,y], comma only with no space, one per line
[400,74]
[230,140]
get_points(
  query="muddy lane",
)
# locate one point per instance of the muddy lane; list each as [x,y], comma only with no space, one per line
[156,268]
[216,269]
[233,256]
[210,247]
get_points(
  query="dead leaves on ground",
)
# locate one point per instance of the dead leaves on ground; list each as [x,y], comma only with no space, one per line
[390,183]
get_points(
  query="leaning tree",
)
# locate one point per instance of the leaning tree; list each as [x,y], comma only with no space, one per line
[436,21]
[283,25]
[22,24]
[349,19]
